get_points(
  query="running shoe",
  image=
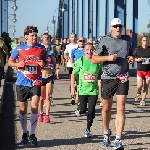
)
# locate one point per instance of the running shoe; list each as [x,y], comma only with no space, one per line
[77,111]
[25,137]
[33,140]
[52,103]
[88,133]
[40,118]
[47,119]
[137,96]
[106,140]
[118,144]
[142,103]
[73,101]
[101,104]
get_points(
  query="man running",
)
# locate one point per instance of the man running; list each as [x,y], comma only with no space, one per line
[88,85]
[59,48]
[67,53]
[142,55]
[114,50]
[31,57]
[75,55]
[64,47]
[47,85]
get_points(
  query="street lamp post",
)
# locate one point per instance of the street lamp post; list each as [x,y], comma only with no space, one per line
[92,21]
[73,13]
[13,20]
[54,22]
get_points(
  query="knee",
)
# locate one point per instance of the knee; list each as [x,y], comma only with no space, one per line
[23,109]
[34,110]
[106,108]
[121,108]
[82,111]
[23,112]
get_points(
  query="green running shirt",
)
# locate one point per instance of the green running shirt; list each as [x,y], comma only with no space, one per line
[88,76]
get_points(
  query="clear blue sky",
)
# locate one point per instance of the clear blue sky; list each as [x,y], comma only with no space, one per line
[40,12]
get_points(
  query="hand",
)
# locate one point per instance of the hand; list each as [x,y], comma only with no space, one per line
[41,63]
[21,64]
[130,59]
[139,59]
[112,57]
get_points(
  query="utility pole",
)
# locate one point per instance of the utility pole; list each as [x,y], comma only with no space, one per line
[54,21]
[125,13]
[92,21]
[74,15]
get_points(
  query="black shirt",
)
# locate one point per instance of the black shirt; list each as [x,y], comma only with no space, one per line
[144,53]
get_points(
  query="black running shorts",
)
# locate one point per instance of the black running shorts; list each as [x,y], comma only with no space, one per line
[112,86]
[24,92]
[47,80]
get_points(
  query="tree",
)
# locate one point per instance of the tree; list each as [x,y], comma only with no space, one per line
[148,26]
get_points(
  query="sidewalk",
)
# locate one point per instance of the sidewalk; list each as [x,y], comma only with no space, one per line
[66,131]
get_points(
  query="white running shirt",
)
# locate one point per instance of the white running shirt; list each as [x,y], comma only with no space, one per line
[69,48]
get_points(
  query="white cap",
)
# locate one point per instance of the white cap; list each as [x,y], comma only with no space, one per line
[115,21]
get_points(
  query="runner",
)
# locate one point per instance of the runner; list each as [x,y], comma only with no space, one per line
[59,48]
[47,85]
[46,40]
[88,85]
[31,58]
[67,55]
[63,58]
[114,50]
[142,55]
[75,55]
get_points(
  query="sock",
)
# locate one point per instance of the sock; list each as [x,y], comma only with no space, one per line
[33,120]
[23,121]
[118,137]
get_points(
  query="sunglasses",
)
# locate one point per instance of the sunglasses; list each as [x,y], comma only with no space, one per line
[119,26]
[81,40]
[144,40]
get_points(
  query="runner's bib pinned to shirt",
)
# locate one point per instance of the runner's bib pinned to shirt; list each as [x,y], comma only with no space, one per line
[145,61]
[89,78]
[31,69]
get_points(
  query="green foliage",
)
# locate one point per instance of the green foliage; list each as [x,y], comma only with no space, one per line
[146,34]
[148,26]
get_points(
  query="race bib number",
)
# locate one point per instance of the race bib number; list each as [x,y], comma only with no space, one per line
[124,77]
[89,77]
[30,69]
[145,61]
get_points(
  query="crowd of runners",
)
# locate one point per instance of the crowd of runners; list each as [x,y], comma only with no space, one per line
[96,70]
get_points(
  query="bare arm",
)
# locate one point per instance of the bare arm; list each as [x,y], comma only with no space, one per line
[97,59]
[12,63]
[72,62]
[72,82]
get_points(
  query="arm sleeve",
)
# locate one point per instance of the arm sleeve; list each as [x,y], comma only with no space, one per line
[100,46]
[14,54]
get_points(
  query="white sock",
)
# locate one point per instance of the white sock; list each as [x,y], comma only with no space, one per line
[33,120]
[23,121]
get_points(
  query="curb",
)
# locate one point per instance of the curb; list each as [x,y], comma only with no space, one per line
[3,83]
